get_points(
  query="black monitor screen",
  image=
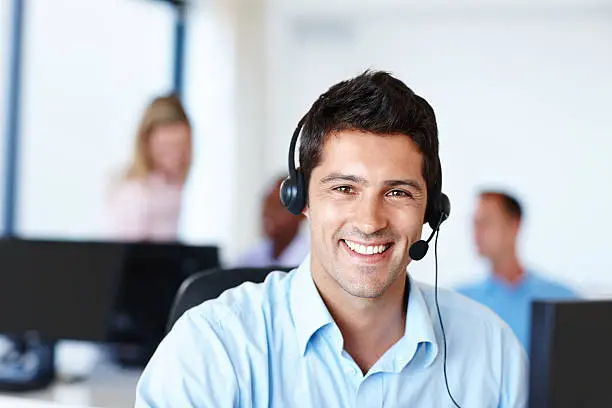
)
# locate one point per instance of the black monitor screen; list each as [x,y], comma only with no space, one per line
[62,290]
[571,355]
[95,291]
[151,276]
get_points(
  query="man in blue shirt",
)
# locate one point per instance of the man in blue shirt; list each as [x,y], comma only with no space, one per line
[510,288]
[349,327]
[283,244]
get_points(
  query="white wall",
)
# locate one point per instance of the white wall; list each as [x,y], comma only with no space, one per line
[520,91]
[521,94]
[225,94]
[209,204]
[90,68]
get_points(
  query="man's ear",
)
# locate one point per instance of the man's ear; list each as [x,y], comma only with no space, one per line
[516,227]
[306,211]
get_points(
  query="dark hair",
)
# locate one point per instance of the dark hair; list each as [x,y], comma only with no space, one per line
[509,203]
[374,102]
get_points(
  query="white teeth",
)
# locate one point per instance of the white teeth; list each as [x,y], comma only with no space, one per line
[366,250]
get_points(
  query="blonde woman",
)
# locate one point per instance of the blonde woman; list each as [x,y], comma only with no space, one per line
[145,203]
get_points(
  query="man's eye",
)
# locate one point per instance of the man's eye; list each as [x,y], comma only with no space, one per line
[399,194]
[344,189]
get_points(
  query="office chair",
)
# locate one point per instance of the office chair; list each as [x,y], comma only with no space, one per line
[212,283]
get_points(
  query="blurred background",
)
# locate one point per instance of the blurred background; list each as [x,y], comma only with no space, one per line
[522,92]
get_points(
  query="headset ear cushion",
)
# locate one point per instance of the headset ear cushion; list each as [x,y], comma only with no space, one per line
[445,206]
[293,194]
[286,191]
[433,215]
[439,211]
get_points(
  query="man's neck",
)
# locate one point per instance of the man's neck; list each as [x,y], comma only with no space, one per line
[369,327]
[509,269]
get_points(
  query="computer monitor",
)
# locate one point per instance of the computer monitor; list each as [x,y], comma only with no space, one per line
[571,354]
[115,292]
[150,278]
[52,290]
[58,289]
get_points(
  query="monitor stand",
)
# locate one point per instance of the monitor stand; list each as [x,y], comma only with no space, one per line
[28,366]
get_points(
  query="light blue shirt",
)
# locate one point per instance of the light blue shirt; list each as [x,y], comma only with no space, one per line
[513,303]
[275,344]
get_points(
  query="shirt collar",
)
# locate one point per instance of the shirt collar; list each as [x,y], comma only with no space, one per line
[307,307]
[419,330]
[310,314]
[496,283]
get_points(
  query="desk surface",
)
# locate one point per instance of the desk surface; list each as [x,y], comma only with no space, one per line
[107,387]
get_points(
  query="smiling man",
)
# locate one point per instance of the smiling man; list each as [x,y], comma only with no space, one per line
[349,327]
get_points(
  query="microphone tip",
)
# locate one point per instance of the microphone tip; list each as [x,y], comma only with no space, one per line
[418,250]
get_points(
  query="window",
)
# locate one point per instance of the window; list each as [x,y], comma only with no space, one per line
[90,69]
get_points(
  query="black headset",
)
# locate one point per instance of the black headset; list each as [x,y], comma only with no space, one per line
[293,195]
[293,189]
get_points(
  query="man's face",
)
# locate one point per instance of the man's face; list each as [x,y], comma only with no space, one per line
[367,201]
[495,230]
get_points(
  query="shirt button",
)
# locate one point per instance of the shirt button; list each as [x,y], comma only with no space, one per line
[350,371]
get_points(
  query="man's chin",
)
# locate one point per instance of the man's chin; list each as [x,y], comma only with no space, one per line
[361,286]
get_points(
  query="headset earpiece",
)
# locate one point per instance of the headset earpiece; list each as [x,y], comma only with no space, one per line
[293,193]
[293,189]
[439,212]
[445,208]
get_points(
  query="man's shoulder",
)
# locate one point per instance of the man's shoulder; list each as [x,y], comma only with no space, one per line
[457,306]
[474,330]
[473,288]
[546,287]
[210,351]
[491,350]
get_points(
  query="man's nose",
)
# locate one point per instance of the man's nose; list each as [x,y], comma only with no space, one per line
[371,215]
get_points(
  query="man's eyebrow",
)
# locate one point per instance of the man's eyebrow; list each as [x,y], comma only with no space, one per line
[405,183]
[335,177]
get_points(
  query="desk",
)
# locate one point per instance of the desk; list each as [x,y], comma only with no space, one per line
[107,387]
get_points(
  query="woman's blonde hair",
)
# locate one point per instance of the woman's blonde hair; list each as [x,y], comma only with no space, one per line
[163,110]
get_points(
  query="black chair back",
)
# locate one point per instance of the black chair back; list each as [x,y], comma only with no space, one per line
[212,283]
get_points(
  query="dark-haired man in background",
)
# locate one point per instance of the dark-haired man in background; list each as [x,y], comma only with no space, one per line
[349,327]
[283,243]
[510,288]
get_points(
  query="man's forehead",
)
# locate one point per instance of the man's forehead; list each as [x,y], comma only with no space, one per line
[351,148]
[492,205]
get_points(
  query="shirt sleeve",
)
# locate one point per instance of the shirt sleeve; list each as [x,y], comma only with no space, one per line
[515,372]
[191,368]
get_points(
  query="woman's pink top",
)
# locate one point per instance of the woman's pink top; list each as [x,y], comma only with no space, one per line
[145,210]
